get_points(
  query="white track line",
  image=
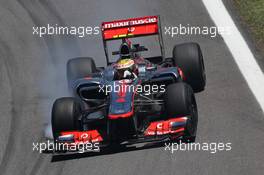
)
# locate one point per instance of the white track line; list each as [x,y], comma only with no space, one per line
[239,49]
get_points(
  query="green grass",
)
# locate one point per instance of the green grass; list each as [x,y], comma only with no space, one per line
[252,12]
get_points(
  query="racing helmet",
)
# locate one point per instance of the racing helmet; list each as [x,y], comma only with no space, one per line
[125,68]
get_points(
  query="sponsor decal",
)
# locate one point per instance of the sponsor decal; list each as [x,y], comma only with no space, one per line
[132,22]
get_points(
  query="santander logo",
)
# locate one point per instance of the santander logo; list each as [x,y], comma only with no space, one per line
[130,22]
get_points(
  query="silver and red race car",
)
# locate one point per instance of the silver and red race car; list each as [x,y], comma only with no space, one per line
[133,99]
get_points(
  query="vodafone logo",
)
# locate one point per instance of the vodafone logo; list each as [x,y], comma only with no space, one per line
[159,125]
[84,136]
[130,22]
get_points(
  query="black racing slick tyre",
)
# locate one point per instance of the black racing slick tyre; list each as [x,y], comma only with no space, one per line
[180,101]
[189,58]
[80,67]
[65,114]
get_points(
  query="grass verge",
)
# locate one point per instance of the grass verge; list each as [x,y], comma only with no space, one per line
[252,14]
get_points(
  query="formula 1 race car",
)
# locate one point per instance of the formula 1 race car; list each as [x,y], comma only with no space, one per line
[133,99]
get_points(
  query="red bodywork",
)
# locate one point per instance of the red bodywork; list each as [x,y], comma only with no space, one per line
[165,127]
[132,27]
[117,116]
[91,136]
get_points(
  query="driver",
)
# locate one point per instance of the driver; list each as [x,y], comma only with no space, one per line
[126,69]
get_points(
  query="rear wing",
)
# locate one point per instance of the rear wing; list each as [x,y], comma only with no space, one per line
[133,27]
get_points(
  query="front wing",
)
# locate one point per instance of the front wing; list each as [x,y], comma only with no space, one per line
[156,131]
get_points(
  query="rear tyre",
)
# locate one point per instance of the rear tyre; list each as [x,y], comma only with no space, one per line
[180,101]
[79,67]
[65,114]
[188,57]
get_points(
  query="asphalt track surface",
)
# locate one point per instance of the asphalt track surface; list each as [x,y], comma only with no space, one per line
[32,76]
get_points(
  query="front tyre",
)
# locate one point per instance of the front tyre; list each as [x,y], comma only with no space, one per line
[180,101]
[188,57]
[65,114]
